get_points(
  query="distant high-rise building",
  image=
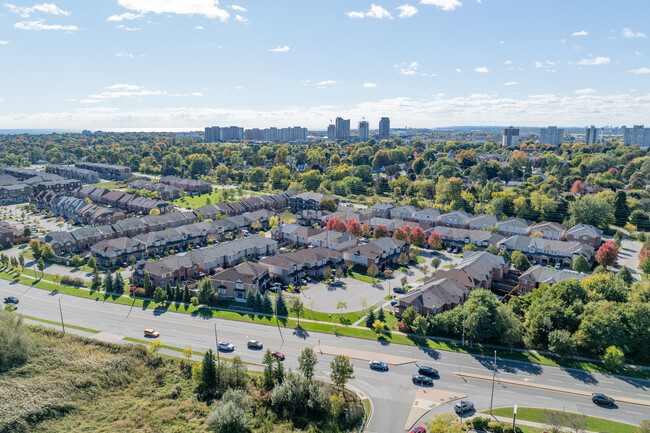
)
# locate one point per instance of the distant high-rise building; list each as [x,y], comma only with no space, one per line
[510,137]
[342,128]
[331,132]
[364,130]
[636,135]
[227,133]
[551,135]
[384,129]
[593,135]
[295,134]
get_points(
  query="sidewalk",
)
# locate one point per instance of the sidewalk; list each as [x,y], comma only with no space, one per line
[521,422]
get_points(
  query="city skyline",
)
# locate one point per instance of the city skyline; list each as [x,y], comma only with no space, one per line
[166,65]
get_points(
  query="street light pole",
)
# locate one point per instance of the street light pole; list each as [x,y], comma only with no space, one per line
[216,339]
[494,374]
[514,418]
[464,318]
[61,312]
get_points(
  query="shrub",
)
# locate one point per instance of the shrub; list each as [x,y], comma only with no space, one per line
[140,293]
[16,344]
[479,422]
[72,281]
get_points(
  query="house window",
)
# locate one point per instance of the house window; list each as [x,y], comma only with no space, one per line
[239,286]
[222,291]
[416,308]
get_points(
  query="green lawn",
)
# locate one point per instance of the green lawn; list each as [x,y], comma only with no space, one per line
[421,259]
[197,201]
[539,415]
[287,217]
[120,184]
[80,328]
[361,277]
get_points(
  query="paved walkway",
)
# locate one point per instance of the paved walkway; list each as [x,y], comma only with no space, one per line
[522,422]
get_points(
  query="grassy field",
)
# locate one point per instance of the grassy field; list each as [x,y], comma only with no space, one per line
[591,423]
[197,201]
[287,217]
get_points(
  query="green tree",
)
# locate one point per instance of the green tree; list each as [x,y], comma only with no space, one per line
[372,271]
[420,325]
[621,209]
[625,276]
[370,319]
[267,305]
[207,387]
[92,263]
[591,210]
[148,285]
[297,308]
[118,283]
[228,417]
[47,252]
[342,371]
[27,232]
[108,282]
[57,280]
[444,423]
[187,295]
[520,261]
[614,359]
[435,263]
[341,306]
[205,293]
[268,378]
[408,318]
[381,315]
[328,204]
[21,260]
[75,261]
[560,342]
[96,282]
[159,295]
[41,266]
[379,326]
[580,264]
[307,362]
[281,306]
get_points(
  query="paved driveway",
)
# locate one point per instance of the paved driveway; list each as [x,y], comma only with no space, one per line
[318,297]
[629,256]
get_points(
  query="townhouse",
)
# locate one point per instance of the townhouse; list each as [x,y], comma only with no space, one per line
[107,171]
[456,219]
[482,221]
[71,172]
[295,235]
[82,212]
[124,200]
[333,240]
[452,237]
[380,252]
[392,225]
[514,226]
[309,217]
[308,200]
[235,282]
[190,186]
[10,235]
[17,193]
[585,234]
[164,191]
[548,230]
[292,268]
[406,213]
[537,275]
[113,252]
[430,215]
[547,252]
[382,210]
[173,269]
[232,253]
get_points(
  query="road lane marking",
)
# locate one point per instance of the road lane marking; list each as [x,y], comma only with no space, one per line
[633,413]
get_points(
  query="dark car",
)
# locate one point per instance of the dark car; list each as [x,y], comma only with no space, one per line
[428,371]
[378,365]
[599,398]
[276,354]
[419,379]
[254,344]
[399,290]
[11,300]
[463,406]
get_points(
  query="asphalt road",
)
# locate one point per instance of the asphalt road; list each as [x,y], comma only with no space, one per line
[392,392]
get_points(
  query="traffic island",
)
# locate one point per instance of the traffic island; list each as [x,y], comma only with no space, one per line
[425,400]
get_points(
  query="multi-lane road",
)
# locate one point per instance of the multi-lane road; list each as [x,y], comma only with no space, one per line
[392,392]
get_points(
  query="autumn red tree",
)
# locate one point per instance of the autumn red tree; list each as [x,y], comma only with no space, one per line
[337,224]
[607,253]
[435,240]
[366,230]
[644,260]
[380,232]
[354,227]
[418,237]
[577,187]
[400,234]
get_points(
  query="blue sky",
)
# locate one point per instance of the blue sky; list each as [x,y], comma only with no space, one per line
[185,64]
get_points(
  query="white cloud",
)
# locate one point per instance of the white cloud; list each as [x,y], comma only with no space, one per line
[196,94]
[129,55]
[459,70]
[124,16]
[238,8]
[445,5]
[368,85]
[482,70]
[208,8]
[199,28]
[592,61]
[240,19]
[326,83]
[26,11]
[4,42]
[408,69]
[508,62]
[407,11]
[40,25]
[120,86]
[280,49]
[510,83]
[128,29]
[586,91]
[375,11]
[580,33]
[122,90]
[631,34]
[639,71]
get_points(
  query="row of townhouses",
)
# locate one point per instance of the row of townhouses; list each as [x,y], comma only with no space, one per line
[107,171]
[190,186]
[166,192]
[71,172]
[123,200]
[16,186]
[250,204]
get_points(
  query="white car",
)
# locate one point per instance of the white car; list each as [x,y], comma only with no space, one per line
[225,346]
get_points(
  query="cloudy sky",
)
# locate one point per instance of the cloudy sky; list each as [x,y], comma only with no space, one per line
[185,64]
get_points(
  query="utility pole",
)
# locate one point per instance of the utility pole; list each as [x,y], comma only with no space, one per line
[514,419]
[61,312]
[464,318]
[216,339]
[494,374]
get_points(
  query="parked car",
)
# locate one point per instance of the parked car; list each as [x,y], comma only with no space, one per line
[378,365]
[151,333]
[394,302]
[428,371]
[254,344]
[599,398]
[419,379]
[463,406]
[11,300]
[276,354]
[399,290]
[226,346]
[558,266]
[336,284]
[419,429]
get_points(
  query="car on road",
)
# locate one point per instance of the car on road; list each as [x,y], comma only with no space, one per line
[11,300]
[378,365]
[428,371]
[254,344]
[394,302]
[151,333]
[225,346]
[399,290]
[276,354]
[419,429]
[599,398]
[558,266]
[336,284]
[463,406]
[419,379]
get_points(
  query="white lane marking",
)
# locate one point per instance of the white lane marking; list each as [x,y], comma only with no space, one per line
[554,380]
[541,396]
[633,413]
